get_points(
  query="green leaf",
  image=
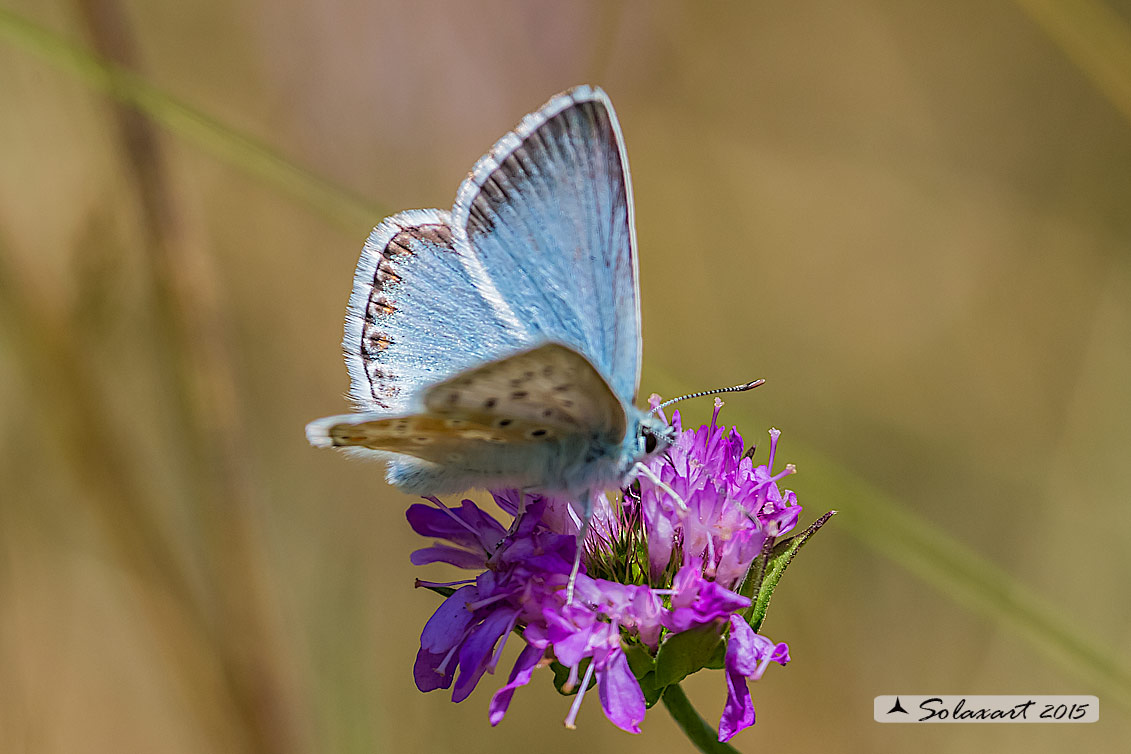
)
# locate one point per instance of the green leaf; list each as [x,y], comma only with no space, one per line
[561,675]
[684,653]
[643,666]
[780,558]
[640,660]
[653,691]
[718,657]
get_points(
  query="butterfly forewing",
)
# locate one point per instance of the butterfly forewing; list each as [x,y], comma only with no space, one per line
[546,217]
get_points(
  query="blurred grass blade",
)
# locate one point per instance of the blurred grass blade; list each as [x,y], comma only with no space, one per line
[1094,37]
[963,575]
[241,150]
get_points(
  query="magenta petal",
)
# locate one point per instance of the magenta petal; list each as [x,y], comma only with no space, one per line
[739,710]
[429,521]
[450,621]
[620,693]
[699,602]
[507,500]
[572,639]
[445,554]
[686,586]
[426,673]
[476,530]
[475,653]
[661,535]
[745,652]
[782,521]
[745,649]
[520,676]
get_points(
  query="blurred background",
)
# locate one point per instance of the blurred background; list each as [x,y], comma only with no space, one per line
[910,218]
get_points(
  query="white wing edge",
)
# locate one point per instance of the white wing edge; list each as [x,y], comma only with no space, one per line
[371,255]
[633,250]
[318,435]
[502,149]
[318,431]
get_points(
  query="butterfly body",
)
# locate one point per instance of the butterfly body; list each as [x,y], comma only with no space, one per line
[498,345]
[568,466]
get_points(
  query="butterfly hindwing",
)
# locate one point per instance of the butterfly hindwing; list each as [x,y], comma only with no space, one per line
[551,387]
[452,439]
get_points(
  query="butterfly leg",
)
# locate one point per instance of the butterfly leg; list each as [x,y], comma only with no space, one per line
[519,513]
[582,533]
[643,470]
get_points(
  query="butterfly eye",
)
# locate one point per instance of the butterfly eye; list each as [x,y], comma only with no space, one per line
[650,442]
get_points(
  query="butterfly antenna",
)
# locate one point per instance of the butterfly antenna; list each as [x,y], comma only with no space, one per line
[736,389]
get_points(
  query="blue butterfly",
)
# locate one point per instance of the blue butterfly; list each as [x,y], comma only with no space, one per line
[498,345]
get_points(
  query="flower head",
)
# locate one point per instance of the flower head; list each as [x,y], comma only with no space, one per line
[655,566]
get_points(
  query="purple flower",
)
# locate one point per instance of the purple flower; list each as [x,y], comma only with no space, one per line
[654,566]
[469,629]
[747,656]
[696,601]
[576,633]
[523,669]
[472,533]
[732,505]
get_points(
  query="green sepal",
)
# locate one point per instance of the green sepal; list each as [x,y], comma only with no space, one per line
[643,666]
[445,591]
[718,657]
[652,691]
[561,675]
[752,581]
[777,560]
[684,653]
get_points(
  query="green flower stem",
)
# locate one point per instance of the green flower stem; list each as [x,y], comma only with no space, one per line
[705,738]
